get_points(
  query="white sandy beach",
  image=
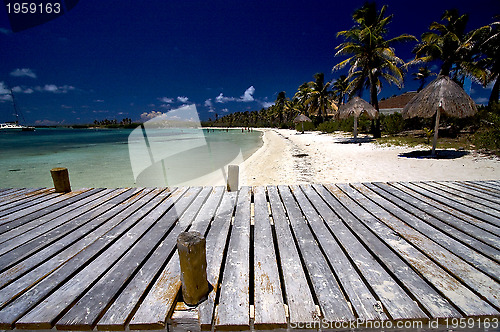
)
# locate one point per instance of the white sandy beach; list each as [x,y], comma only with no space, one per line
[288,157]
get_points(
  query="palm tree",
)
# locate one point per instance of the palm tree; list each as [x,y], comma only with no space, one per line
[450,44]
[318,97]
[372,57]
[422,75]
[339,88]
[490,47]
[279,106]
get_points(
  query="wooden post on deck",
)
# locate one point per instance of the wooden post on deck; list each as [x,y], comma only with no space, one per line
[60,177]
[232,177]
[193,261]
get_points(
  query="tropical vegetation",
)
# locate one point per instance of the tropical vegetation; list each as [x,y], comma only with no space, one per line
[370,60]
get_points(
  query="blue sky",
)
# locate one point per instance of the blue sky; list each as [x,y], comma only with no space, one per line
[120,58]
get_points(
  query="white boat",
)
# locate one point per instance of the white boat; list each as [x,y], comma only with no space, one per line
[15,126]
[12,126]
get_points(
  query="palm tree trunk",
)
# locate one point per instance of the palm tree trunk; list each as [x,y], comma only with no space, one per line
[495,92]
[355,127]
[436,129]
[374,101]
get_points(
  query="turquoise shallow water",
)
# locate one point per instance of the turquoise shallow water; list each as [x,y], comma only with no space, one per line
[108,157]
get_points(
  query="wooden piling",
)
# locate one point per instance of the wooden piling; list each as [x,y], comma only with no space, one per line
[193,262]
[60,177]
[232,177]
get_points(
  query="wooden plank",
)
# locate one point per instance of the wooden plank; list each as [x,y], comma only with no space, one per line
[38,267]
[20,194]
[471,235]
[10,220]
[24,196]
[78,274]
[491,188]
[233,311]
[28,228]
[46,253]
[484,192]
[34,220]
[363,302]
[475,197]
[12,194]
[397,303]
[423,232]
[29,202]
[444,256]
[459,216]
[67,226]
[217,239]
[299,299]
[268,298]
[83,315]
[331,299]
[160,299]
[426,295]
[417,258]
[129,297]
[454,202]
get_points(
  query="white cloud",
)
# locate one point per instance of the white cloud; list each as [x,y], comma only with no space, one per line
[266,104]
[225,110]
[98,101]
[66,106]
[23,72]
[47,122]
[148,116]
[19,89]
[248,95]
[183,99]
[208,103]
[211,111]
[481,100]
[222,99]
[166,100]
[3,89]
[245,98]
[4,92]
[54,88]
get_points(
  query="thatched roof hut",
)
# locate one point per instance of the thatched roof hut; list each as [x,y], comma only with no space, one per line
[355,107]
[441,96]
[441,93]
[301,118]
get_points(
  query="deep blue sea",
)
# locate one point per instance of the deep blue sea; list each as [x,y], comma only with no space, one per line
[114,158]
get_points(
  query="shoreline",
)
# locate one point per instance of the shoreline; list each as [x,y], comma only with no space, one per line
[288,157]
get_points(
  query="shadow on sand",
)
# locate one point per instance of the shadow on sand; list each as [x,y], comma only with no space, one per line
[440,154]
[353,140]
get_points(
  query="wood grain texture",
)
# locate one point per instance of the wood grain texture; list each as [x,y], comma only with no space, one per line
[332,301]
[233,311]
[268,298]
[300,302]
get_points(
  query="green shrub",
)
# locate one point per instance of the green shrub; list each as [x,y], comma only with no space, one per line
[328,126]
[308,126]
[392,123]
[488,136]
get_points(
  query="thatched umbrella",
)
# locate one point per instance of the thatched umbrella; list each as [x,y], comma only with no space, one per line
[301,118]
[355,107]
[441,96]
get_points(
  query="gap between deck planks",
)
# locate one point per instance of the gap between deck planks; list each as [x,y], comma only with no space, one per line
[277,257]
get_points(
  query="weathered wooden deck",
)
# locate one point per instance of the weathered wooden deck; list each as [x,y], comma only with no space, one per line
[277,256]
